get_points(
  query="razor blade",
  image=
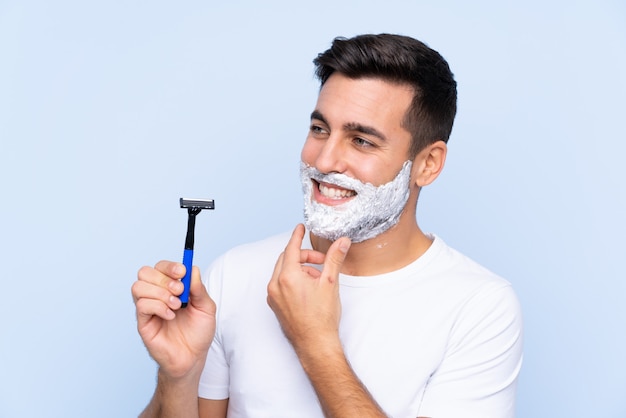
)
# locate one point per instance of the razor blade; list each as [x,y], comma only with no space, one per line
[197,203]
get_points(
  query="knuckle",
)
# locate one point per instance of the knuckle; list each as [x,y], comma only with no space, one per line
[271,288]
[143,307]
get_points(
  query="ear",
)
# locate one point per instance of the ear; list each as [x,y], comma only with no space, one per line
[429,162]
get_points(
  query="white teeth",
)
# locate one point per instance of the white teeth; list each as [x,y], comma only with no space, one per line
[333,193]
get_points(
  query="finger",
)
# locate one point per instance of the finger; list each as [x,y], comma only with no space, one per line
[149,308]
[278,267]
[144,290]
[171,269]
[335,257]
[157,276]
[294,249]
[198,296]
[307,257]
[312,272]
[311,257]
[294,246]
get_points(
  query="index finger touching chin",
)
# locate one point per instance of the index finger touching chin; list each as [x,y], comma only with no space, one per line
[294,246]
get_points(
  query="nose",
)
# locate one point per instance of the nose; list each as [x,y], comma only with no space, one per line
[331,156]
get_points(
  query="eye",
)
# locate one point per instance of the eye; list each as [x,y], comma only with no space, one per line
[363,143]
[318,130]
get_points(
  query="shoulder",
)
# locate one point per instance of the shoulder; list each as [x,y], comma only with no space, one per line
[481,292]
[460,268]
[471,289]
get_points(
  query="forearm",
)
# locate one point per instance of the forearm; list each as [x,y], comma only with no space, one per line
[340,392]
[174,397]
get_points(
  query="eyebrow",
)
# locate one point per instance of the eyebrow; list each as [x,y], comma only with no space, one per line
[352,126]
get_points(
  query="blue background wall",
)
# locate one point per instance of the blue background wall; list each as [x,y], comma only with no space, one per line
[110,111]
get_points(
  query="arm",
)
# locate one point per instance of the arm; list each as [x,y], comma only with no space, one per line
[173,397]
[339,390]
[210,408]
[306,303]
[177,339]
[169,400]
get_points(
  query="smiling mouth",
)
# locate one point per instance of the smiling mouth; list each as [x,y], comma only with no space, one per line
[333,192]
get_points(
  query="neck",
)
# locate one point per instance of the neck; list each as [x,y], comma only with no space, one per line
[389,251]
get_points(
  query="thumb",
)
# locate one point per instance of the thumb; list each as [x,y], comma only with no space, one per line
[335,257]
[198,296]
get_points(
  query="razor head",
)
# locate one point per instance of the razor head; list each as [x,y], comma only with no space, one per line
[197,203]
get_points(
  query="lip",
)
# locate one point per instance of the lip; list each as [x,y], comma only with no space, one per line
[320,198]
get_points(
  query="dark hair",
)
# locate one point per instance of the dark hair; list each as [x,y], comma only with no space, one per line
[403,60]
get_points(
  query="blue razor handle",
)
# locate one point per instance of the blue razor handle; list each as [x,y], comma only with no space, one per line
[188,262]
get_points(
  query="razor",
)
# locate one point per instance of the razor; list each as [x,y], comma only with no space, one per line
[194,207]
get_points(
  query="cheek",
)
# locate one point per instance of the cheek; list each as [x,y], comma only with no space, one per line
[369,174]
[377,172]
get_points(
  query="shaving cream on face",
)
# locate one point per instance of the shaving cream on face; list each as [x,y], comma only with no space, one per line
[371,212]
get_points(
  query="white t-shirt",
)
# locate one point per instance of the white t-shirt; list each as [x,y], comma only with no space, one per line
[441,337]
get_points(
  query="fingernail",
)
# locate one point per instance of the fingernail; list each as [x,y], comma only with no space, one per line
[176,286]
[179,269]
[344,245]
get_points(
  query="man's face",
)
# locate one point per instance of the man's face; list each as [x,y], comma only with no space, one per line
[356,131]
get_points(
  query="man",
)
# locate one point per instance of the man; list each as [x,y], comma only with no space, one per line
[361,314]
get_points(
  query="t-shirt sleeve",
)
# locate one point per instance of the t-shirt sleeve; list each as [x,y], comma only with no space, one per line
[478,374]
[214,381]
